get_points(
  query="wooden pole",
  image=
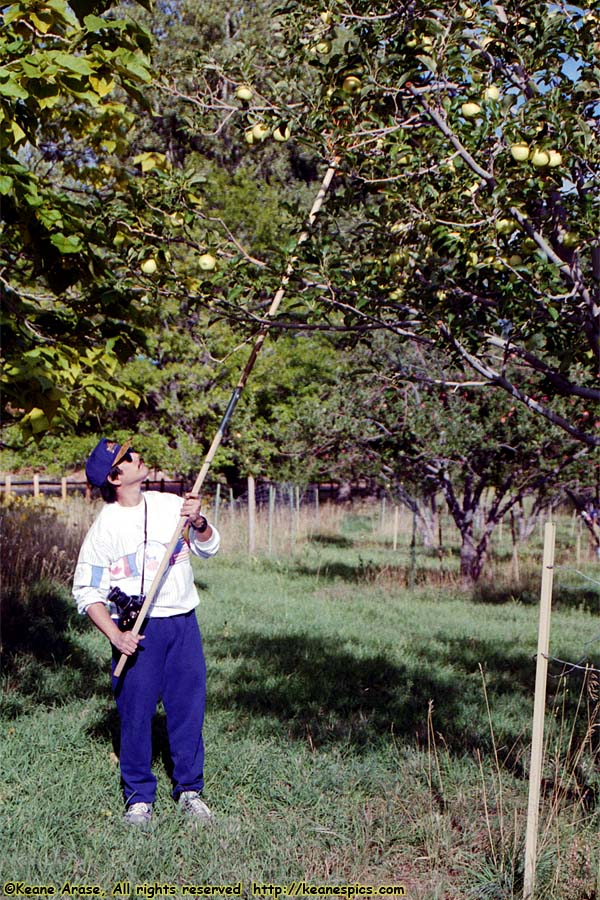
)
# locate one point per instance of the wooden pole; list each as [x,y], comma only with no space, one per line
[235,396]
[539,706]
[36,485]
[395,537]
[8,485]
[63,488]
[251,515]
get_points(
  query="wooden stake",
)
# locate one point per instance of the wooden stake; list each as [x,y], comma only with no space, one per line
[539,706]
[251,515]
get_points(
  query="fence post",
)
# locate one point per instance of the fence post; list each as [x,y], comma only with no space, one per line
[63,488]
[217,504]
[36,485]
[537,738]
[292,521]
[395,537]
[8,485]
[251,515]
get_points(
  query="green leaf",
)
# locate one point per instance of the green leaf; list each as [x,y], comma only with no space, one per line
[13,88]
[72,63]
[67,244]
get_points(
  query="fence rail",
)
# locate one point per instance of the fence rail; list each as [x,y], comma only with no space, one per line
[64,486]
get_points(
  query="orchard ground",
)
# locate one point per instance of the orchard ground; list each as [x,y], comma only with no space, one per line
[358,731]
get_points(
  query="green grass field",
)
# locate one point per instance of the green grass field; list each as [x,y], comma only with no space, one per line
[348,739]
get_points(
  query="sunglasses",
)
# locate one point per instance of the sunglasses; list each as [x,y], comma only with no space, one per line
[128,455]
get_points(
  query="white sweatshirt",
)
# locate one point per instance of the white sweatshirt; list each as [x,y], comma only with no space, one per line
[112,555]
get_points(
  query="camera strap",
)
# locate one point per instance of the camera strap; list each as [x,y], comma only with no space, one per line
[145,543]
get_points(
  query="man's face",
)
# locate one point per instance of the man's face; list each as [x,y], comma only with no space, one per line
[133,469]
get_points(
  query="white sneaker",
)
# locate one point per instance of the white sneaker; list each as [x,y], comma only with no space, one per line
[138,814]
[192,805]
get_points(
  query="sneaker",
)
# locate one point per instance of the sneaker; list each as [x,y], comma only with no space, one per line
[138,814]
[192,805]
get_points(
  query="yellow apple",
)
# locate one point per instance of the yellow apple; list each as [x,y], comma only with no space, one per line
[260,131]
[207,262]
[470,109]
[244,92]
[515,260]
[351,84]
[570,239]
[323,47]
[520,151]
[555,158]
[149,266]
[505,226]
[282,133]
[326,17]
[491,93]
[249,136]
[539,158]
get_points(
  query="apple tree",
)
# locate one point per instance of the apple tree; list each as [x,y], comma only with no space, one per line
[466,207]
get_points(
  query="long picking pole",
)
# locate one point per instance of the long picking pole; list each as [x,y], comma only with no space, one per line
[216,442]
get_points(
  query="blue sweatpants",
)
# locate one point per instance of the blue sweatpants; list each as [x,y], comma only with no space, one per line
[169,665]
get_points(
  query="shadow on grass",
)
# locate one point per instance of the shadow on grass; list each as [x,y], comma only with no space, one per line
[583,597]
[331,540]
[42,660]
[321,693]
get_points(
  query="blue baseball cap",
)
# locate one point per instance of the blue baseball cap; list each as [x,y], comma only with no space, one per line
[103,458]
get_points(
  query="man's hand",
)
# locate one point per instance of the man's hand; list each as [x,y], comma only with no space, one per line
[191,510]
[191,507]
[126,642]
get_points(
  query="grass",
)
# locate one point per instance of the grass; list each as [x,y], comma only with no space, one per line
[356,732]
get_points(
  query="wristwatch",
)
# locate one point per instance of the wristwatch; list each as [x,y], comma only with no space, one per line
[199,524]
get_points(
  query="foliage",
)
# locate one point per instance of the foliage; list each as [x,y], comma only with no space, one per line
[70,312]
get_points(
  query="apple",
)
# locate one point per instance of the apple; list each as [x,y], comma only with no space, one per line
[515,260]
[570,239]
[149,266]
[426,41]
[260,131]
[282,133]
[411,40]
[491,93]
[520,151]
[470,109]
[505,226]
[555,158]
[207,262]
[244,92]
[539,158]
[249,136]
[529,245]
[351,84]
[326,17]
[323,47]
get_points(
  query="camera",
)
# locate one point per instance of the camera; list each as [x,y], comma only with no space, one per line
[127,607]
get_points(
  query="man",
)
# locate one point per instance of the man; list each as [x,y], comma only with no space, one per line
[123,548]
